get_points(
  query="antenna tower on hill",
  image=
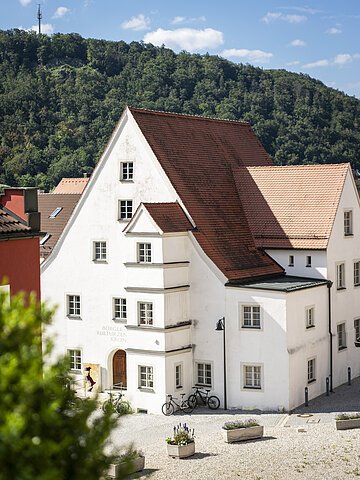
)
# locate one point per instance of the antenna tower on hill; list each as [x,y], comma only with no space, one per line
[39,16]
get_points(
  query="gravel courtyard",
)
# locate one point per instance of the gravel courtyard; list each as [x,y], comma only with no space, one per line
[285,453]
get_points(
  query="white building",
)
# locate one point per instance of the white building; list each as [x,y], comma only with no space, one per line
[165,241]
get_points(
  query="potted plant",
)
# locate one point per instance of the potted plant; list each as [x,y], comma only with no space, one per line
[344,421]
[131,462]
[182,444]
[240,431]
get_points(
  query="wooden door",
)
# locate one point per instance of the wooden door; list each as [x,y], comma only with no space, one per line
[119,369]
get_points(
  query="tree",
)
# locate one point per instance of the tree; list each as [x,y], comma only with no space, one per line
[43,435]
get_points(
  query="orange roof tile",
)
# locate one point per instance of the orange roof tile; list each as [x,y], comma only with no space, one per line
[170,217]
[198,155]
[71,185]
[291,206]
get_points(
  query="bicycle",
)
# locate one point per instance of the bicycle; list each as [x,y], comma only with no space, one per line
[116,404]
[171,406]
[202,397]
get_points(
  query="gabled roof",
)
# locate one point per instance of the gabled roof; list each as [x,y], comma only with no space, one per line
[48,203]
[170,217]
[71,185]
[10,224]
[291,206]
[198,155]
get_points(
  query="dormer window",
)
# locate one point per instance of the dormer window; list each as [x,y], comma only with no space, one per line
[144,253]
[56,212]
[45,239]
[126,171]
[348,222]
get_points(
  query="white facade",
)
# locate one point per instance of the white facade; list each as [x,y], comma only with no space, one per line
[174,299]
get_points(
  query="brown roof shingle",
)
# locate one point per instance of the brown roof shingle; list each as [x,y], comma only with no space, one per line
[170,217]
[291,206]
[198,155]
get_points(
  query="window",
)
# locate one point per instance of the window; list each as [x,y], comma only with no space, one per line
[45,238]
[126,171]
[125,209]
[75,359]
[73,305]
[145,313]
[341,336]
[119,308]
[178,376]
[311,374]
[99,251]
[56,212]
[310,317]
[357,328]
[340,276]
[308,261]
[348,222]
[252,376]
[356,273]
[146,377]
[144,252]
[203,372]
[291,260]
[251,316]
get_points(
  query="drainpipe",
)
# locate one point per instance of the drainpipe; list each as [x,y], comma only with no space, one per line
[329,285]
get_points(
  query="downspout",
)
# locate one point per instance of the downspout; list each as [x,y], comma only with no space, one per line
[329,285]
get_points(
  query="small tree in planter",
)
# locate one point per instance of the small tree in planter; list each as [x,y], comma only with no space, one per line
[182,444]
[345,421]
[240,431]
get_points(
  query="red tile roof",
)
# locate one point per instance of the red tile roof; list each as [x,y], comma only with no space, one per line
[170,217]
[291,206]
[71,185]
[10,225]
[198,155]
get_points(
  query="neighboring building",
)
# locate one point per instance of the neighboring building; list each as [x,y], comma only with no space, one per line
[165,241]
[71,185]
[19,241]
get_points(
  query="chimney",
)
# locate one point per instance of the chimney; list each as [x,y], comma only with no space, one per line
[23,202]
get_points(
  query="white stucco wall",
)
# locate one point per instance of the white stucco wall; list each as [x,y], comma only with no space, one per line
[318,262]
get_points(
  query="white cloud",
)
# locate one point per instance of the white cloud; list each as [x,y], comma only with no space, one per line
[342,58]
[60,12]
[137,23]
[46,28]
[188,39]
[24,3]
[318,63]
[254,56]
[333,30]
[295,62]
[178,20]
[272,17]
[309,10]
[298,43]
[339,60]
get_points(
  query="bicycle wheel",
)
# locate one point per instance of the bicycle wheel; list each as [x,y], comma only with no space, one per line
[167,408]
[186,407]
[108,406]
[192,401]
[213,402]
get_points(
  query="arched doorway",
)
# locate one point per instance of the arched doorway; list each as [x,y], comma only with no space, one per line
[119,369]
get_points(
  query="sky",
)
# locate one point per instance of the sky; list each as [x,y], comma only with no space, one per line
[320,38]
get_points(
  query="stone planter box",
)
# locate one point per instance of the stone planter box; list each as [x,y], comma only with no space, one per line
[138,465]
[242,434]
[181,451]
[347,424]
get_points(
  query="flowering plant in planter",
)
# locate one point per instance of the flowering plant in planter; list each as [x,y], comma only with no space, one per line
[240,424]
[183,435]
[347,416]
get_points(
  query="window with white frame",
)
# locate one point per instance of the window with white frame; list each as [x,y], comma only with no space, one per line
[125,209]
[145,313]
[357,273]
[348,222]
[73,305]
[341,332]
[99,251]
[75,359]
[311,371]
[310,317]
[203,374]
[251,316]
[119,308]
[126,171]
[144,252]
[146,376]
[252,376]
[291,261]
[357,328]
[178,375]
[340,276]
[308,261]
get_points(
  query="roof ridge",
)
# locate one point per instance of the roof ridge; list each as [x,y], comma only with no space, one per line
[317,165]
[186,115]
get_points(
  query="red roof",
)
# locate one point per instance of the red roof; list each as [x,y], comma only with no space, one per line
[198,155]
[170,217]
[11,225]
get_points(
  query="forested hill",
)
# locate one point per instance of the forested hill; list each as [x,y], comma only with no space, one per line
[61,96]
